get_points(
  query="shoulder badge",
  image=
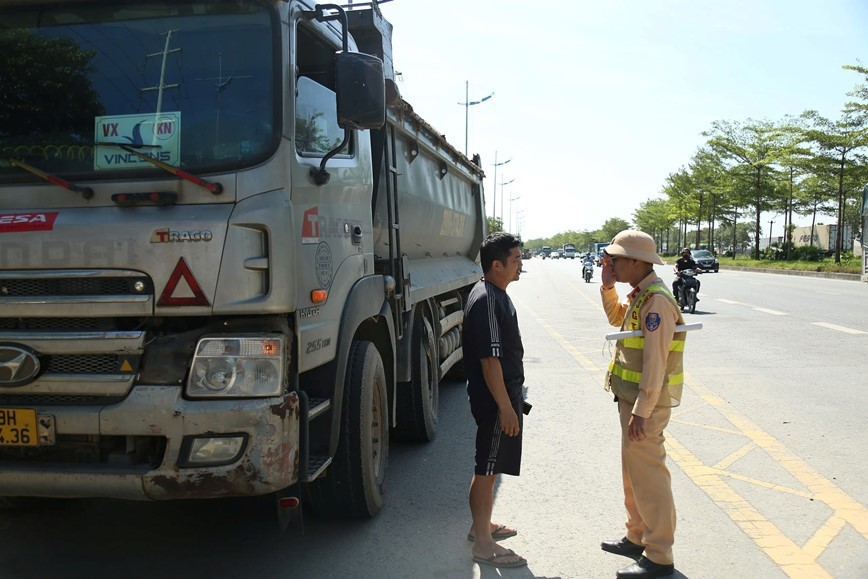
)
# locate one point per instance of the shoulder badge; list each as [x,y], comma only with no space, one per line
[652,321]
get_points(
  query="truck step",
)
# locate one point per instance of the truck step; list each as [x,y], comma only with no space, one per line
[317,407]
[315,466]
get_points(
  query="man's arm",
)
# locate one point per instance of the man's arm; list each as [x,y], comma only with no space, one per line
[615,310]
[493,374]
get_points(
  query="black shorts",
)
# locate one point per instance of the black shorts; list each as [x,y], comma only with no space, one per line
[496,453]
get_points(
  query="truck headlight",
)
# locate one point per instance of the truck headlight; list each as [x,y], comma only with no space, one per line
[237,367]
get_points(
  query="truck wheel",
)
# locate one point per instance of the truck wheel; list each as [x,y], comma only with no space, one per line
[355,483]
[419,399]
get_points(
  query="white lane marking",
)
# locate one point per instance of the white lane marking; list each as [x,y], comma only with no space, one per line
[838,328]
[772,312]
[829,293]
[731,302]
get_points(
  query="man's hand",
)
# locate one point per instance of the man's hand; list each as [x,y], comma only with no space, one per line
[509,421]
[607,277]
[636,428]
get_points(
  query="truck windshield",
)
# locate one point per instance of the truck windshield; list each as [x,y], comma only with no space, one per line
[192,84]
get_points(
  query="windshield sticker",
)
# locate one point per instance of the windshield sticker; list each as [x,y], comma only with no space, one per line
[17,222]
[158,136]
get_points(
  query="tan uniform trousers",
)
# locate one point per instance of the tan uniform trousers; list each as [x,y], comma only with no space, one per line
[648,486]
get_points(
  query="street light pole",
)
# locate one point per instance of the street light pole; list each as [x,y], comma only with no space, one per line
[519,221]
[467,104]
[771,222]
[502,184]
[511,199]
[494,203]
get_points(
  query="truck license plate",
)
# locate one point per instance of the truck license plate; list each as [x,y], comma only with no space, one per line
[18,427]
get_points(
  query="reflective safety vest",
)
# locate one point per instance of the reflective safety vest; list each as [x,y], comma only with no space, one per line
[625,369]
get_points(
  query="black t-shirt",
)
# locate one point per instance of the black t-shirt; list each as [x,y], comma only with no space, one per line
[491,329]
[685,263]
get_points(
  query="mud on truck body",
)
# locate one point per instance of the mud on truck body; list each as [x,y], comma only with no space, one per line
[233,260]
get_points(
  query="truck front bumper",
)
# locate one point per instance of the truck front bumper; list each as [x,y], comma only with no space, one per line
[268,459]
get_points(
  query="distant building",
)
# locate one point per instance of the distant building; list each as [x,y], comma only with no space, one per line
[824,237]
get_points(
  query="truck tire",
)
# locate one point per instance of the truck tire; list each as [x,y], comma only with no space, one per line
[419,399]
[355,483]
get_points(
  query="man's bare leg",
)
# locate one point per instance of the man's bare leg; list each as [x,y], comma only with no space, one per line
[492,526]
[481,506]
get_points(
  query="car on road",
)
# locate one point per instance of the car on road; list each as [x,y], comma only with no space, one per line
[706,260]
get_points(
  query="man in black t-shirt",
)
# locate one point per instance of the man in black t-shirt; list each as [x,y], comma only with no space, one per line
[684,262]
[495,378]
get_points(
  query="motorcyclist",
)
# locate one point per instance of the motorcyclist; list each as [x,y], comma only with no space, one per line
[588,263]
[684,262]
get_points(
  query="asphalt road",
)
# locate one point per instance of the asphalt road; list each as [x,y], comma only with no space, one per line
[766,453]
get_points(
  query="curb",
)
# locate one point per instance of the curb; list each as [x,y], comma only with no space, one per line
[824,274]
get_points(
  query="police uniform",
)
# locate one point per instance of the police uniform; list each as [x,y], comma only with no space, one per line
[646,376]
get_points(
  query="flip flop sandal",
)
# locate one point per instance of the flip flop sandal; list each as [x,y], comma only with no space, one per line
[521,562]
[501,532]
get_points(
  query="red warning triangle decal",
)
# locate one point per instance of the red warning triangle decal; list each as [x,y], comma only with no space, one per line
[182,272]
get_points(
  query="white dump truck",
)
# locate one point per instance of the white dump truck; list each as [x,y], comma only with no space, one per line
[233,260]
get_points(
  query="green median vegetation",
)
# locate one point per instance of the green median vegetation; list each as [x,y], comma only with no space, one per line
[849,263]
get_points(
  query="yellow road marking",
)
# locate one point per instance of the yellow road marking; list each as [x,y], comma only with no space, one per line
[821,539]
[583,360]
[766,485]
[795,561]
[791,559]
[735,456]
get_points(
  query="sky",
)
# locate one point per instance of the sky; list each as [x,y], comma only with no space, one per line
[596,102]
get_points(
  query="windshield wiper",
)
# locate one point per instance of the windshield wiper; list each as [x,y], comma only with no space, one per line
[85,192]
[215,188]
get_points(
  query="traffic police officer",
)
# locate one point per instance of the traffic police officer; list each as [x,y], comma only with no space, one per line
[646,376]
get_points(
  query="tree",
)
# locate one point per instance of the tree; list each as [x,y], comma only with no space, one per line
[708,180]
[495,224]
[679,188]
[611,228]
[752,148]
[838,145]
[793,159]
[655,217]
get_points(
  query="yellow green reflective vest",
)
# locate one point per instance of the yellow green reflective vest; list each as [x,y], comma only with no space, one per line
[625,369]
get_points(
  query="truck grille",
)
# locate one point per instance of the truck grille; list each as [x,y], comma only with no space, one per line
[77,293]
[82,364]
[61,324]
[72,287]
[26,400]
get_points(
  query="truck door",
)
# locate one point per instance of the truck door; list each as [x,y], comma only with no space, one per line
[335,217]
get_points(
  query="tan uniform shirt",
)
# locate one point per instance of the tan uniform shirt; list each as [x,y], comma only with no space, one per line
[657,341]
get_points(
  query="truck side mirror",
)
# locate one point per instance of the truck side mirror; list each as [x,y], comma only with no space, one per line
[361,91]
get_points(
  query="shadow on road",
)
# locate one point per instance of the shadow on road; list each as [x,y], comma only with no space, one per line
[421,532]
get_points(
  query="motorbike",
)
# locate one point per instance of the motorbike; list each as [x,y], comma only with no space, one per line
[688,290]
[587,271]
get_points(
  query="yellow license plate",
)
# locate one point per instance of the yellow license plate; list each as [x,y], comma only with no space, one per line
[18,427]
